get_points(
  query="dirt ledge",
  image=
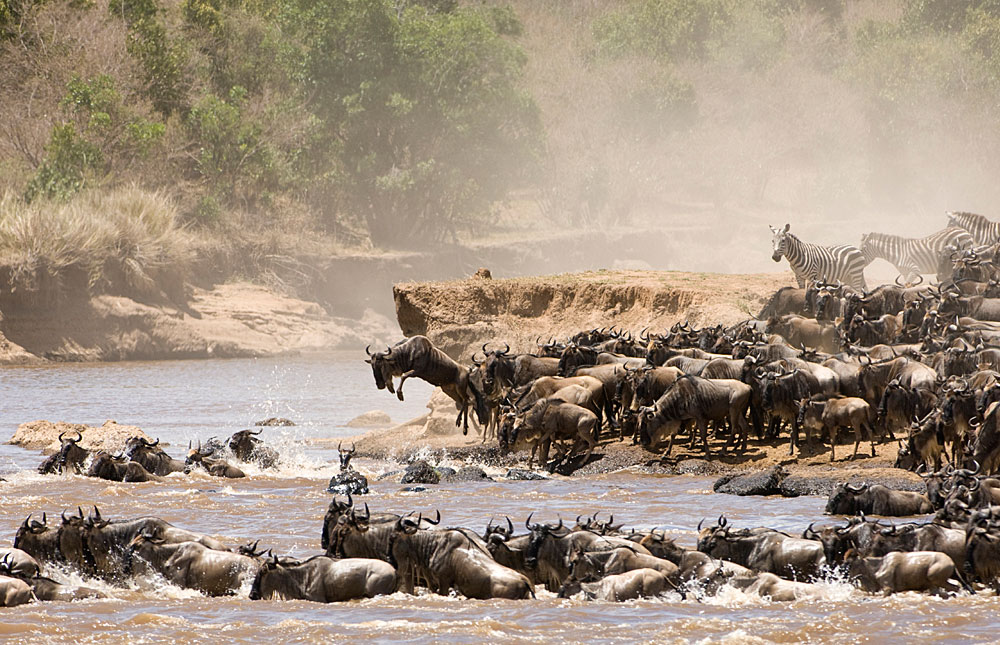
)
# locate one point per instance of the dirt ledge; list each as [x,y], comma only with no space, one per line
[458,316]
[231,320]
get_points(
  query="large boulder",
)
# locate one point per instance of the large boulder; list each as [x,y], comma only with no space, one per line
[44,435]
[762,482]
[373,419]
[420,472]
[467,474]
[441,420]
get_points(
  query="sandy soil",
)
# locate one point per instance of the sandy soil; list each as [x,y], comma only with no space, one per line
[229,320]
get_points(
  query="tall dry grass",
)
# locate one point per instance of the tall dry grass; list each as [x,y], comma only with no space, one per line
[126,232]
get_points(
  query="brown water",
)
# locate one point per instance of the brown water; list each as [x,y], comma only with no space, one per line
[183,400]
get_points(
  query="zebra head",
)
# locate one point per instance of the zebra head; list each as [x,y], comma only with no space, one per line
[779,238]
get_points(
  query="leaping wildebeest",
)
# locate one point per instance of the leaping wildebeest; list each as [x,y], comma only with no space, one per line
[417,356]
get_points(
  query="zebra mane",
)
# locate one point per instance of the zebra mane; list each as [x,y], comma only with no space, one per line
[965,216]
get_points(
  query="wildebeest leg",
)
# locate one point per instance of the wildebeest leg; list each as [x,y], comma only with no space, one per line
[703,427]
[399,388]
[833,442]
[857,441]
[871,436]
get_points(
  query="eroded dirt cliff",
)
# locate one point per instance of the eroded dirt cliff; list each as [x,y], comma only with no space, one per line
[460,315]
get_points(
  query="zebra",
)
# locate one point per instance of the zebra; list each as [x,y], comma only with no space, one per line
[844,263]
[984,231]
[915,256]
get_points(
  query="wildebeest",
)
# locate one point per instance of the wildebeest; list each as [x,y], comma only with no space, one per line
[151,457]
[833,413]
[115,468]
[768,585]
[245,446]
[549,546]
[452,558]
[70,457]
[876,500]
[985,447]
[700,400]
[902,571]
[215,467]
[323,579]
[191,565]
[551,419]
[348,481]
[417,356]
[587,567]
[763,550]
[637,583]
[14,592]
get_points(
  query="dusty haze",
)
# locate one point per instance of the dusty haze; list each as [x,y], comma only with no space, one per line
[797,119]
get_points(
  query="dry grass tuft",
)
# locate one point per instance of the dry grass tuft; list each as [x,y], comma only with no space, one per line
[127,232]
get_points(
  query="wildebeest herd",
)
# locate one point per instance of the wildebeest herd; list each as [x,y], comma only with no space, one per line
[916,365]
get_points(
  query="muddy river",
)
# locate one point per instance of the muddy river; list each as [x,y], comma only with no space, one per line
[181,401]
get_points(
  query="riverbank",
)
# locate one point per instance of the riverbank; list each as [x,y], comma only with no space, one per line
[229,320]
[434,436]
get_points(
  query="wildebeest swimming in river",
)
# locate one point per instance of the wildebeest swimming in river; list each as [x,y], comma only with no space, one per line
[418,357]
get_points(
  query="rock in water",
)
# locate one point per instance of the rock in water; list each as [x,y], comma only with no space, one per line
[373,419]
[467,474]
[764,482]
[520,474]
[276,421]
[420,472]
[348,482]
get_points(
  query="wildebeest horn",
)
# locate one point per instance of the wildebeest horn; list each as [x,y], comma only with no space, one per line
[475,362]
[64,518]
[898,283]
[722,520]
[700,523]
[510,525]
[506,349]
[527,522]
[368,513]
[368,349]
[388,351]
[809,529]
[436,521]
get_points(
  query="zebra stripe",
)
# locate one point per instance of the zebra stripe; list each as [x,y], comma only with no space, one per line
[984,231]
[845,263]
[916,256]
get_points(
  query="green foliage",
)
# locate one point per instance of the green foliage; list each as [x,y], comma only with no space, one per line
[68,160]
[206,14]
[664,29]
[981,39]
[948,15]
[105,130]
[426,106]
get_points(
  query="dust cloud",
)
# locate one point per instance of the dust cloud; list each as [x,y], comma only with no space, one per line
[838,118]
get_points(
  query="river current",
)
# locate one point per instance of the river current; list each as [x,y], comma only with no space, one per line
[180,401]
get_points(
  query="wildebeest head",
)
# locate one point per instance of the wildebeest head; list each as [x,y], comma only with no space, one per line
[243,443]
[843,499]
[493,359]
[70,455]
[497,532]
[506,432]
[779,241]
[382,366]
[37,539]
[539,533]
[345,456]
[709,536]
